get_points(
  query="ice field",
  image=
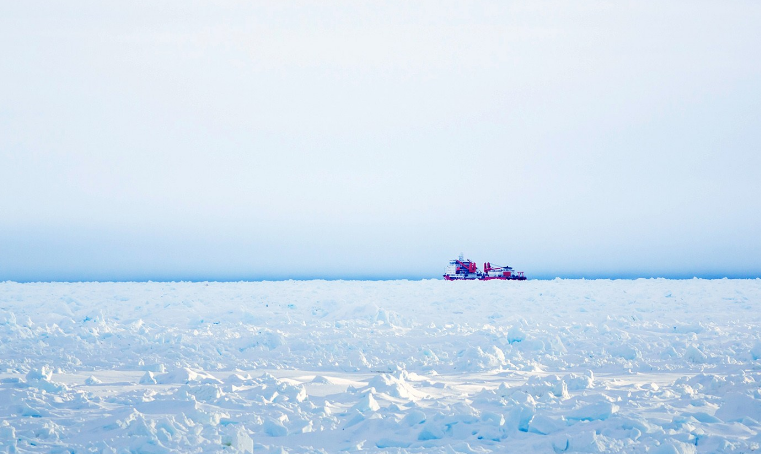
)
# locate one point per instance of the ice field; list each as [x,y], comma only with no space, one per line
[642,366]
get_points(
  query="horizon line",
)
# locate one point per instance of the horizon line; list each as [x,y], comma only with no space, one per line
[362,279]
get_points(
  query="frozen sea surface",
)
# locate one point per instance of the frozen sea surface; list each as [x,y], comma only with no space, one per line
[656,366]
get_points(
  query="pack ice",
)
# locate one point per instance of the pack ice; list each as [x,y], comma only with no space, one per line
[642,366]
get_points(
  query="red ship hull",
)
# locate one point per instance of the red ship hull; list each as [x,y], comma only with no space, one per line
[467,270]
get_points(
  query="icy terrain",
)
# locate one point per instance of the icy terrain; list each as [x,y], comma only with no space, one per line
[657,366]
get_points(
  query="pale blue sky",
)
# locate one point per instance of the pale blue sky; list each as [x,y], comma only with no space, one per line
[238,140]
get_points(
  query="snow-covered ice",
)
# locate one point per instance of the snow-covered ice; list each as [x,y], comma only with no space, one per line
[650,365]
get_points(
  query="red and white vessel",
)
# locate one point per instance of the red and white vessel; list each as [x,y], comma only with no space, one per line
[466,270]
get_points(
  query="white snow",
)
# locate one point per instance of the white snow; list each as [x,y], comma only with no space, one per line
[643,366]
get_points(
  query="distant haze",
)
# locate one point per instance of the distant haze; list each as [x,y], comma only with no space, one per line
[274,140]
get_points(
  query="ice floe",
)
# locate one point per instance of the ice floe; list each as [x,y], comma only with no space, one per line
[643,366]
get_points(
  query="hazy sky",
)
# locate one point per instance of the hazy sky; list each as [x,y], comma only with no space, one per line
[240,140]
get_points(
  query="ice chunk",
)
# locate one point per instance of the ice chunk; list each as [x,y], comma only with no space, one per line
[477,359]
[238,438]
[704,417]
[586,441]
[148,379]
[694,355]
[239,379]
[625,351]
[736,406]
[430,432]
[544,425]
[392,443]
[395,386]
[578,382]
[7,318]
[206,392]
[414,417]
[274,428]
[367,403]
[669,352]
[755,352]
[42,379]
[685,329]
[548,387]
[184,376]
[8,435]
[43,373]
[137,424]
[515,334]
[675,447]
[519,416]
[92,380]
[595,411]
[356,418]
[156,368]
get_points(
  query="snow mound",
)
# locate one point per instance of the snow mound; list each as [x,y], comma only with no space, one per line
[321,380]
[394,386]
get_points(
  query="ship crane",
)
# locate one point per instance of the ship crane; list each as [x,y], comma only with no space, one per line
[501,272]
